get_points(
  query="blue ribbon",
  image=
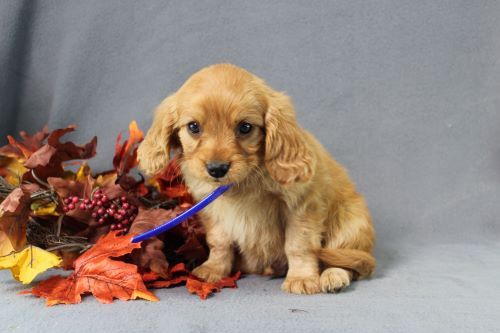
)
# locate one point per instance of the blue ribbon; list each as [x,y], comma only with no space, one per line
[184,216]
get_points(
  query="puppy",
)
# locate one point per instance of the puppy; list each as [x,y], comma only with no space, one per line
[292,210]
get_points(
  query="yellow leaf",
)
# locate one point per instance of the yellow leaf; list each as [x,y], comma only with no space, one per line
[139,294]
[28,263]
[49,209]
[5,244]
[83,171]
[15,170]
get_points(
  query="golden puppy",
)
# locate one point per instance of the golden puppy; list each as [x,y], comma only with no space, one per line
[293,209]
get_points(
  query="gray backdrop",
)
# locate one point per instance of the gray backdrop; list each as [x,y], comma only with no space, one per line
[404,93]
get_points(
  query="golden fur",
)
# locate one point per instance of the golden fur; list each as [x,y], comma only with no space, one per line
[293,209]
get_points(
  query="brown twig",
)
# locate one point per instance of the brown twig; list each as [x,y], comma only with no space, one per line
[83,247]
[50,239]
[41,182]
[59,225]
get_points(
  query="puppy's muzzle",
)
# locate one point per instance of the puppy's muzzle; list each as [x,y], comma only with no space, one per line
[217,169]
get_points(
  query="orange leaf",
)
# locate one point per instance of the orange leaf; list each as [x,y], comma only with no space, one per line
[150,276]
[110,245]
[179,268]
[126,154]
[168,283]
[171,184]
[202,289]
[176,191]
[99,275]
[194,285]
[229,281]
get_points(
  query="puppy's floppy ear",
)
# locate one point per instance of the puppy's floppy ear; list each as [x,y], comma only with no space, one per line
[153,153]
[288,159]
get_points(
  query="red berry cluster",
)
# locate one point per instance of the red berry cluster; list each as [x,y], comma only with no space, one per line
[118,213]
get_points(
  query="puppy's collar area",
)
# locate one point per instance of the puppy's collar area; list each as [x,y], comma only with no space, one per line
[183,216]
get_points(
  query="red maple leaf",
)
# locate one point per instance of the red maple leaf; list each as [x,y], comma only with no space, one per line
[99,275]
[204,289]
[48,160]
[180,274]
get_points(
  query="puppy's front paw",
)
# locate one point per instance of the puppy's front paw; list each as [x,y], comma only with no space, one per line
[209,273]
[334,279]
[301,285]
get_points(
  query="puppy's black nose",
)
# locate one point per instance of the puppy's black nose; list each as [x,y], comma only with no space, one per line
[217,169]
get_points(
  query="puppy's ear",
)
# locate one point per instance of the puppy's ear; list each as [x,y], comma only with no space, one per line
[153,153]
[288,159]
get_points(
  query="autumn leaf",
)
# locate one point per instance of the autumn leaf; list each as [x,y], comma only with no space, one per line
[14,214]
[204,289]
[177,275]
[148,219]
[42,209]
[12,170]
[186,240]
[5,245]
[28,145]
[47,161]
[151,255]
[111,245]
[28,263]
[44,158]
[193,248]
[80,188]
[108,184]
[83,172]
[171,184]
[126,153]
[99,275]
[66,187]
[132,185]
[67,151]
[180,274]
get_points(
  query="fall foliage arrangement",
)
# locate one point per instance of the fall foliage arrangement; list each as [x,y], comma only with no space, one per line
[56,213]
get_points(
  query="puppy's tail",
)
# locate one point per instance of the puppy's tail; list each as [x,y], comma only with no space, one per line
[361,262]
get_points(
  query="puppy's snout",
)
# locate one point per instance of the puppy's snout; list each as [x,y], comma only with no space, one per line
[217,169]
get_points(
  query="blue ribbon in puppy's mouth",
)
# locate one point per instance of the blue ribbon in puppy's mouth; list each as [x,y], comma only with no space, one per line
[183,216]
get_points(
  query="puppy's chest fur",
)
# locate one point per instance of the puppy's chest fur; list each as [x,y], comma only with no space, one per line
[255,224]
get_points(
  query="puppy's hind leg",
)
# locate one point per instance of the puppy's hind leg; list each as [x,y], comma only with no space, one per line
[348,243]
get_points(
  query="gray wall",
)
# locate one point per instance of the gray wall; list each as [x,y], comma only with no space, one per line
[403,93]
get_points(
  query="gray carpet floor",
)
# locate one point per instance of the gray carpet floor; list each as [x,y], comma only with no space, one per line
[440,288]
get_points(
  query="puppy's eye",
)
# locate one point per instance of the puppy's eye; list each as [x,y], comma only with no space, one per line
[194,127]
[244,128]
